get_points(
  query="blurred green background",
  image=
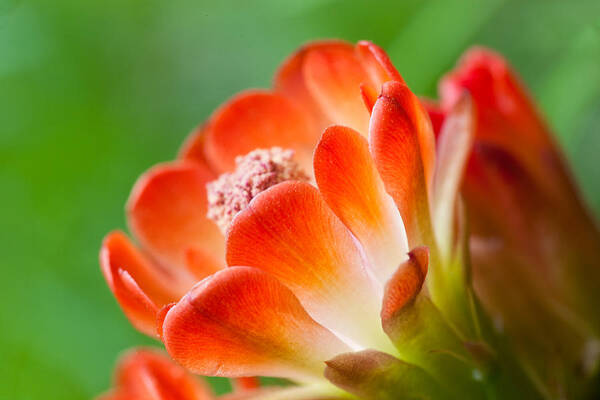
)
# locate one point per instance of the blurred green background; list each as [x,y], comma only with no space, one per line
[92,93]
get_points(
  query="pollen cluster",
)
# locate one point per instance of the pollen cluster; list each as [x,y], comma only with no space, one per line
[254,173]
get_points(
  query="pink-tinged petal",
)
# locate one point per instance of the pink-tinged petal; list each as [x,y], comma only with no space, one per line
[377,64]
[151,375]
[350,184]
[242,321]
[405,284]
[167,213]
[139,285]
[257,119]
[289,231]
[402,145]
[454,146]
[334,76]
[289,80]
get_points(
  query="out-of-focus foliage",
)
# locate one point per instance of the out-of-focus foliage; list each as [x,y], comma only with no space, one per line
[94,92]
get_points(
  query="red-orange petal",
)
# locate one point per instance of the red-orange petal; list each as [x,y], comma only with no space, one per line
[436,114]
[334,76]
[289,80]
[193,146]
[242,321]
[167,213]
[150,375]
[139,285]
[350,184]
[405,284]
[257,119]
[377,64]
[454,146]
[508,118]
[401,142]
[289,231]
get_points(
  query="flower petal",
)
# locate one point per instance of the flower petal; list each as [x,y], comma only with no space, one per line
[350,184]
[402,144]
[377,64]
[454,146]
[242,321]
[150,375]
[508,118]
[289,231]
[193,147]
[405,284]
[334,76]
[167,213]
[139,285]
[289,80]
[257,119]
[374,375]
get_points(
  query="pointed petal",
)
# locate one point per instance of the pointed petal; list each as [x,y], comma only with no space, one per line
[167,213]
[289,231]
[257,119]
[377,64]
[242,321]
[402,145]
[139,285]
[151,375]
[334,76]
[372,375]
[454,146]
[350,184]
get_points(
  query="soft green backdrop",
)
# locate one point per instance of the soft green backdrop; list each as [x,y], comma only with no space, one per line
[94,92]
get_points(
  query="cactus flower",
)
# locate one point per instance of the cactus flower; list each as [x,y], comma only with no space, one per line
[322,232]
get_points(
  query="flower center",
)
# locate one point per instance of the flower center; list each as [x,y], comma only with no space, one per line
[254,173]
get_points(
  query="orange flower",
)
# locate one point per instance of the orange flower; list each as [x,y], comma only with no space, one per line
[168,206]
[359,281]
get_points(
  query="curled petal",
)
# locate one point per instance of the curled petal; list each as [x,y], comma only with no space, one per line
[350,184]
[242,322]
[289,231]
[257,119]
[405,284]
[454,146]
[145,374]
[167,213]
[402,144]
[139,285]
